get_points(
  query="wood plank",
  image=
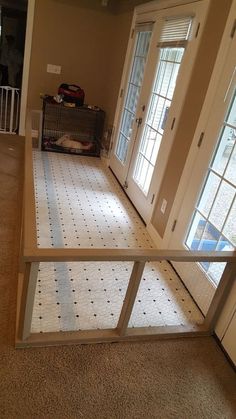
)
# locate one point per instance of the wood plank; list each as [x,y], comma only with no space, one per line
[30,232]
[26,302]
[20,280]
[220,296]
[88,254]
[130,297]
[111,335]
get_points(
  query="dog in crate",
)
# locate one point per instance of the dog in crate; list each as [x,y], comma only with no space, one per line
[67,142]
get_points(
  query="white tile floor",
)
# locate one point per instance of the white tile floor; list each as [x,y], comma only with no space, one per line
[80,204]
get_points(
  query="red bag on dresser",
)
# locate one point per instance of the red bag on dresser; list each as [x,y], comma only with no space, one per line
[72,94]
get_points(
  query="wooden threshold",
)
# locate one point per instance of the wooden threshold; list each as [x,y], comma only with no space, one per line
[111,335]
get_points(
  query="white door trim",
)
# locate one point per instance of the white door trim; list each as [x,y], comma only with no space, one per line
[198,9]
[210,95]
[26,65]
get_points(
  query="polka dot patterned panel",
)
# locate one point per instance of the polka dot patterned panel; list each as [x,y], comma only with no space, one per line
[79,203]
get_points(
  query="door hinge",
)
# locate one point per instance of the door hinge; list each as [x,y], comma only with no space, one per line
[200,139]
[125,186]
[174,225]
[121,92]
[233,29]
[132,34]
[139,121]
[152,200]
[197,31]
[173,124]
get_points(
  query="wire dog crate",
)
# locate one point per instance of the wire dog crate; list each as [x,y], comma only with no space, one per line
[72,130]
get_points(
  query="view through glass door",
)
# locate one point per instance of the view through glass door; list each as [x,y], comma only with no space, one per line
[171,51]
[213,226]
[152,87]
[210,221]
[128,126]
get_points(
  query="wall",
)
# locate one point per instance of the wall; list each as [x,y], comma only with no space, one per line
[211,37]
[88,41]
[115,62]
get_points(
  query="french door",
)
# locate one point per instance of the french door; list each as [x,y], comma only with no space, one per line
[159,69]
[207,218]
[130,96]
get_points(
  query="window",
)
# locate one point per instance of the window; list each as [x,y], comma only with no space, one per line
[133,92]
[172,45]
[214,222]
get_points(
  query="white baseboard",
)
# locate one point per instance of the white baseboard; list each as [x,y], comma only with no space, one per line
[105,161]
[158,241]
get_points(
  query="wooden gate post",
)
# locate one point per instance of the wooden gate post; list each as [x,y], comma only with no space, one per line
[29,283]
[130,297]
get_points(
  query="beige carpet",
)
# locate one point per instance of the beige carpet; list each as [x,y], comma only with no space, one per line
[188,378]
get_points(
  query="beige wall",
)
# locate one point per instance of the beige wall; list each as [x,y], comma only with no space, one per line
[88,41]
[191,110]
[115,62]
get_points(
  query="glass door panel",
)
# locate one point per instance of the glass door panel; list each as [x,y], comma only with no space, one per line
[150,99]
[160,102]
[213,226]
[133,92]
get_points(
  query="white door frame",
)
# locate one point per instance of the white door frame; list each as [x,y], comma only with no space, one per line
[141,14]
[198,10]
[164,242]
[217,73]
[26,65]
[154,12]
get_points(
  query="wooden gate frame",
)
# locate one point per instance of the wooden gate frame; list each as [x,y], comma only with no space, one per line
[31,256]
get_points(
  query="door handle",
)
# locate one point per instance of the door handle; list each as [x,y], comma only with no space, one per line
[139,121]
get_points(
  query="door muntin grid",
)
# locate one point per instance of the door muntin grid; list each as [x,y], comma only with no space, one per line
[160,102]
[133,93]
[213,226]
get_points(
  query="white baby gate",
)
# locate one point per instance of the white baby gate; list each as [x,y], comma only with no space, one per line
[9,109]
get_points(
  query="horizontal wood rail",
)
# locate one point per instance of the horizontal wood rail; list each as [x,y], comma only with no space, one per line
[29,211]
[73,255]
[31,256]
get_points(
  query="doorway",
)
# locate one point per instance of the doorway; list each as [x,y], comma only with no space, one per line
[208,211]
[12,43]
[157,71]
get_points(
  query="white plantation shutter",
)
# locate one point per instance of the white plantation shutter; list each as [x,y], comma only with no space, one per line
[144,26]
[176,30]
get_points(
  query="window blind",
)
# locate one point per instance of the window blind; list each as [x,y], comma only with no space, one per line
[144,27]
[176,29]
